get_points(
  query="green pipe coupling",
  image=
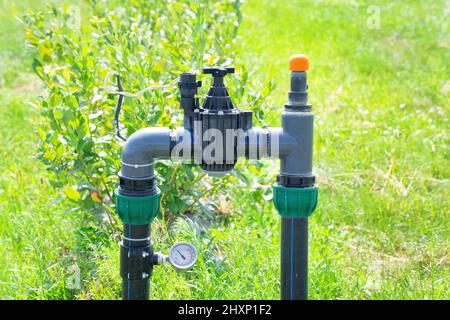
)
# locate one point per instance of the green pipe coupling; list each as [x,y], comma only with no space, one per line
[137,210]
[295,202]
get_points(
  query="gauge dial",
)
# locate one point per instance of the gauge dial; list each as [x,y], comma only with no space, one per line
[182,256]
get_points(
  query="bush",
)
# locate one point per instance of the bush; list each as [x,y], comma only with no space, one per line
[147,42]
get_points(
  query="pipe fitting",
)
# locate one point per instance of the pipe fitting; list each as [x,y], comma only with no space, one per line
[298,126]
[141,148]
[214,136]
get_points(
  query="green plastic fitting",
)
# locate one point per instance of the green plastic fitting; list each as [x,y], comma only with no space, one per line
[295,202]
[137,210]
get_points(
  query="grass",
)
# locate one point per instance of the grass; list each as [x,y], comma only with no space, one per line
[381,230]
[35,232]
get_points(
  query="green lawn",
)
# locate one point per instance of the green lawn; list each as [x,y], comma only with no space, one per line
[381,99]
[381,230]
[35,231]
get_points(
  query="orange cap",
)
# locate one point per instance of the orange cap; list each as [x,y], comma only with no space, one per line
[298,62]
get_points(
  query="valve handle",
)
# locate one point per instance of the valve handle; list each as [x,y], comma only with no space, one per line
[217,71]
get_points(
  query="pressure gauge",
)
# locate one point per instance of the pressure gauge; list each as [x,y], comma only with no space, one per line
[182,256]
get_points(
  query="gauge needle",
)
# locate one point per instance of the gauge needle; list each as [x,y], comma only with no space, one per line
[184,258]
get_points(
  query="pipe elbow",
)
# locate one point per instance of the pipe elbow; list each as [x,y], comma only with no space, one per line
[141,148]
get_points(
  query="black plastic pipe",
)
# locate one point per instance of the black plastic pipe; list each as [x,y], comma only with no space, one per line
[135,253]
[294,258]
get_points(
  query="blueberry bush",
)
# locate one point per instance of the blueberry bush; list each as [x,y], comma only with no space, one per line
[146,42]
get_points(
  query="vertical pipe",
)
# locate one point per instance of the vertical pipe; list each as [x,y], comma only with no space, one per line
[294,258]
[135,279]
[297,198]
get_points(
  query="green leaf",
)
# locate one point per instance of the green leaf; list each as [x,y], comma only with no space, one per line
[58,114]
[37,66]
[72,194]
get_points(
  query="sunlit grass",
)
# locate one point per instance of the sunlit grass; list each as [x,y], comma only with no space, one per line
[381,153]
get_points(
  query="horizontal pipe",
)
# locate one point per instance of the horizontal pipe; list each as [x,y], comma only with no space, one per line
[254,144]
[145,145]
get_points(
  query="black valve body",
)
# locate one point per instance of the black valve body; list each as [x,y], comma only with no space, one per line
[219,114]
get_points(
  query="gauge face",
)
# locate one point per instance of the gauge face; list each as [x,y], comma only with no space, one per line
[182,256]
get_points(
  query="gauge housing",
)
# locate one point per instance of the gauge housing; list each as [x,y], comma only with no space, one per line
[182,256]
